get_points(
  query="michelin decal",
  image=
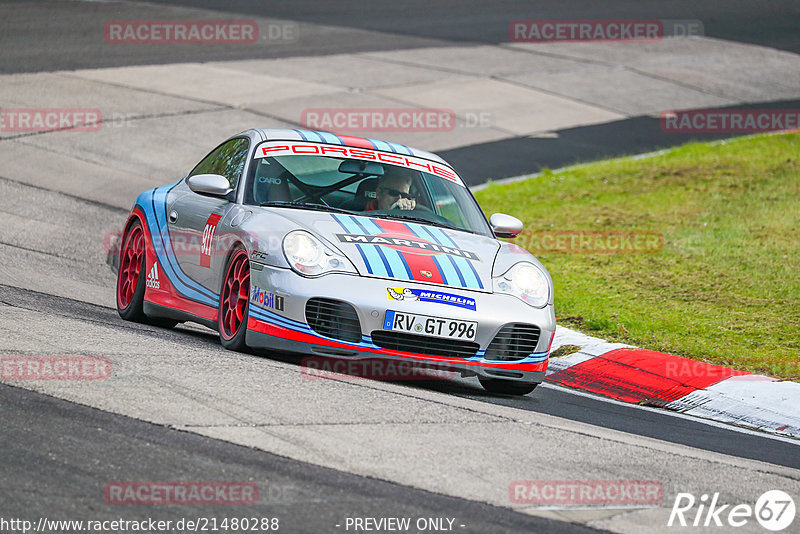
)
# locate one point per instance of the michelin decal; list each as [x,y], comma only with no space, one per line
[424,295]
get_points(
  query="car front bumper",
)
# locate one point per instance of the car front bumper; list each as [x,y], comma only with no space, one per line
[278,321]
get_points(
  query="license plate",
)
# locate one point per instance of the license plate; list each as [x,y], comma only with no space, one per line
[425,325]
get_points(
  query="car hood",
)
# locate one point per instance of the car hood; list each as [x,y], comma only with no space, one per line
[404,250]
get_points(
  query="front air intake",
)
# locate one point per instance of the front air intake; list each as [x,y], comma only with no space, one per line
[515,341]
[333,318]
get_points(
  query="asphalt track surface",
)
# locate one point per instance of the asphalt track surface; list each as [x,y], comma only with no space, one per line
[71,41]
[56,456]
[92,446]
[62,472]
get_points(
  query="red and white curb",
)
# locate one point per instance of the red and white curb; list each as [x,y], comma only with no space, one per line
[650,378]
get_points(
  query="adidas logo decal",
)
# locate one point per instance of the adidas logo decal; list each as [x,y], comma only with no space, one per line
[152,278]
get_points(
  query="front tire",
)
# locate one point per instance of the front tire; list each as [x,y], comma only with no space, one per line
[233,301]
[506,387]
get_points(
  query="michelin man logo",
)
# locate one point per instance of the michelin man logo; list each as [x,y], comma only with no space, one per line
[402,294]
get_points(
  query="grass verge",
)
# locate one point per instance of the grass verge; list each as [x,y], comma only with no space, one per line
[723,284]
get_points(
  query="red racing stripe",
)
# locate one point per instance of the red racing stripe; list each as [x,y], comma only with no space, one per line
[642,376]
[359,142]
[418,263]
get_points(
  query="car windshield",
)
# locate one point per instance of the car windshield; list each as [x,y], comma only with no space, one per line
[371,188]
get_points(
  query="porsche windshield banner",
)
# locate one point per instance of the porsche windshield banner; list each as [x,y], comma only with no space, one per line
[298,148]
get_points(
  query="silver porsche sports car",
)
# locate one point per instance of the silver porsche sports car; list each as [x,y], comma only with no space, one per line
[339,247]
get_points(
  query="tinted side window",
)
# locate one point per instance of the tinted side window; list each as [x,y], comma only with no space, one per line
[227,160]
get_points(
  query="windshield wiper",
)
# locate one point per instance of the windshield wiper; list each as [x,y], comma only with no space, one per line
[302,205]
[427,221]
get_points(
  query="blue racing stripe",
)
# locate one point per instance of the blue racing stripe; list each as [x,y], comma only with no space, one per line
[477,279]
[444,239]
[386,265]
[406,267]
[457,270]
[422,232]
[159,204]
[398,264]
[339,140]
[364,259]
[371,141]
[351,225]
[366,341]
[402,149]
[261,313]
[383,145]
[184,285]
[373,260]
[463,266]
[467,270]
[309,135]
[361,224]
[355,225]
[284,322]
[369,225]
[449,275]
[329,138]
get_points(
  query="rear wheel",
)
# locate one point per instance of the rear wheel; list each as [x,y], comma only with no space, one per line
[233,301]
[506,387]
[131,279]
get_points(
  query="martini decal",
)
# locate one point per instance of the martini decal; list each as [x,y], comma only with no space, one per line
[409,251]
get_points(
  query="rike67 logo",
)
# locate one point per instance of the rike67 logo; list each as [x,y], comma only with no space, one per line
[774,510]
[208,240]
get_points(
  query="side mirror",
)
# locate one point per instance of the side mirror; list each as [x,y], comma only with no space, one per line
[209,184]
[505,225]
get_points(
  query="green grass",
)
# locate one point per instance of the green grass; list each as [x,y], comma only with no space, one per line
[725,287]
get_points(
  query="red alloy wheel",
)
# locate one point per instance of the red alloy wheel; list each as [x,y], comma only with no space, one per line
[235,294]
[130,265]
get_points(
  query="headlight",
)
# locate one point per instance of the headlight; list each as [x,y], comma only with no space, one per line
[526,282]
[308,256]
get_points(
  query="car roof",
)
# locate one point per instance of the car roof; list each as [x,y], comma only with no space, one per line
[285,134]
